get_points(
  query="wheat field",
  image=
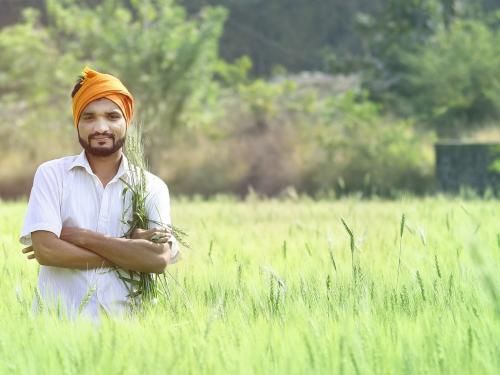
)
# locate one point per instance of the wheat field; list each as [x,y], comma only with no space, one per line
[272,286]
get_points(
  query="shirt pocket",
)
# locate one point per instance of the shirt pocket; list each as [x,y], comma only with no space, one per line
[80,202]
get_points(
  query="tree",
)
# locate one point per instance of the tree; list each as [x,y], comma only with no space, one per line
[165,58]
[400,29]
[455,78]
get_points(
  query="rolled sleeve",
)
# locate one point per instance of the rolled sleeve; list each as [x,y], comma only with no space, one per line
[158,208]
[44,207]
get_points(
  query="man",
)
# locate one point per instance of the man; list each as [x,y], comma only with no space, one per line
[74,224]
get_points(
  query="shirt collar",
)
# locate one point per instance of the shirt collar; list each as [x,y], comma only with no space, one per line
[81,161]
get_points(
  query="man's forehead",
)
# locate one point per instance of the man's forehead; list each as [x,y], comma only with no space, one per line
[101,105]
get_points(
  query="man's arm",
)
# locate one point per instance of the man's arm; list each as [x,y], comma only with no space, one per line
[52,251]
[130,254]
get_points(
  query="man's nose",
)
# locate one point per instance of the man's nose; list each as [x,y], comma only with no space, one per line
[101,125]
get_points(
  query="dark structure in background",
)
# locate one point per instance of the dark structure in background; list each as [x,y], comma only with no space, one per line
[468,165]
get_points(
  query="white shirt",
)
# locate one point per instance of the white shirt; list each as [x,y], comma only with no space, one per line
[66,193]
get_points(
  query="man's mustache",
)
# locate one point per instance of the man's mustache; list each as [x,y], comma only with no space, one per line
[94,135]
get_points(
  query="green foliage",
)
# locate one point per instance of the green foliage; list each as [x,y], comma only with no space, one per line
[160,54]
[236,73]
[495,157]
[33,77]
[163,56]
[302,35]
[264,100]
[455,78]
[436,60]
[421,62]
[366,151]
[377,39]
[400,28]
[296,137]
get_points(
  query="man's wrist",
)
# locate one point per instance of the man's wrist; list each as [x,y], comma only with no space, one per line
[106,263]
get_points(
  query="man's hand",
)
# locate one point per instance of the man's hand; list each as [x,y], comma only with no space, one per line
[30,251]
[156,235]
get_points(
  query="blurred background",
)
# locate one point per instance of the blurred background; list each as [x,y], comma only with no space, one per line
[270,97]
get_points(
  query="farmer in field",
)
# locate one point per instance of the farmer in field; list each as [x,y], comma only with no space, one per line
[78,210]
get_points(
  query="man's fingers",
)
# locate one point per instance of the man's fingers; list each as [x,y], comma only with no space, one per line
[157,234]
[30,251]
[163,240]
[160,240]
[161,230]
[27,249]
[161,234]
[160,237]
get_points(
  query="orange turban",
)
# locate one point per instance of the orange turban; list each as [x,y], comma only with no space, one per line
[97,85]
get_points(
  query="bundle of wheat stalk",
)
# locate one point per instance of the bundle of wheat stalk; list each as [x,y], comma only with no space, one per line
[143,287]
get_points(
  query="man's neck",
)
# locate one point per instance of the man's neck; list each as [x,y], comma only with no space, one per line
[105,167]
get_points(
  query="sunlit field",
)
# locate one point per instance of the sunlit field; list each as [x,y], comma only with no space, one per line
[282,287]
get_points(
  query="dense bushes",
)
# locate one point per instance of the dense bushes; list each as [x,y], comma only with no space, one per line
[342,145]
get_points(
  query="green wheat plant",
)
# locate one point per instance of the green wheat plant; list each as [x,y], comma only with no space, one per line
[142,286]
[401,231]
[235,304]
[352,245]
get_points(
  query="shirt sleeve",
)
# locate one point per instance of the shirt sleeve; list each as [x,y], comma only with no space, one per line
[158,209]
[44,207]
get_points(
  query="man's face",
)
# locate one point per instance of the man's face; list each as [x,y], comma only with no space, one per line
[102,128]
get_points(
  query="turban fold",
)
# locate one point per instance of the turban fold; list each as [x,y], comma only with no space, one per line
[97,85]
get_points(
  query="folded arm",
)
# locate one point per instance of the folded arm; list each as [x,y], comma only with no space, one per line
[136,254]
[85,249]
[49,250]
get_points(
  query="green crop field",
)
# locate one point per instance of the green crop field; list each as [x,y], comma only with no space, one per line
[282,287]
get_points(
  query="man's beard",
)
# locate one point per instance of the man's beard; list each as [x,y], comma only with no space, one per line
[100,151]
